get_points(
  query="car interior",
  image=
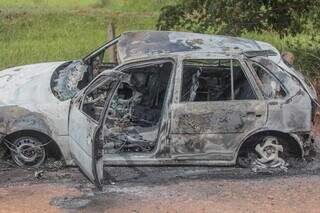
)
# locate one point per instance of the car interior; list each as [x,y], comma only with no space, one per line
[211,80]
[134,114]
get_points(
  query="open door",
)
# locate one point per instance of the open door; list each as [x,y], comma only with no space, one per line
[84,121]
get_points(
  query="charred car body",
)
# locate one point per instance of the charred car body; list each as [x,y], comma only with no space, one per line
[171,98]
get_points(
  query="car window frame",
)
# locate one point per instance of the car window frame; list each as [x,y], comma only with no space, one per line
[167,99]
[244,70]
[253,72]
[89,89]
[146,62]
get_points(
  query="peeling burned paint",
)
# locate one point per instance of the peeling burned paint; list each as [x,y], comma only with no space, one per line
[133,45]
[27,104]
[16,118]
[222,117]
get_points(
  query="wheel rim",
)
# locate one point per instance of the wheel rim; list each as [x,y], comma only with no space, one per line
[29,152]
[268,152]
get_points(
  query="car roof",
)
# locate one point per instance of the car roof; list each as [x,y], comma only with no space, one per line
[143,44]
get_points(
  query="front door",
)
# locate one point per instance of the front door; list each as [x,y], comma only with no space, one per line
[218,106]
[84,121]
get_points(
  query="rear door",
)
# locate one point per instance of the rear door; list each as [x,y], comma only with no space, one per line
[84,122]
[218,106]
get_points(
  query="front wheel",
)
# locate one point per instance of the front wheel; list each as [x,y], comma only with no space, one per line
[28,152]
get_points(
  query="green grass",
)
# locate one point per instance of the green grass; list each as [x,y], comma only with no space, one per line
[46,3]
[136,5]
[114,5]
[34,31]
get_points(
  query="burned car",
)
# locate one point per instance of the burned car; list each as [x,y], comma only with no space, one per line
[171,98]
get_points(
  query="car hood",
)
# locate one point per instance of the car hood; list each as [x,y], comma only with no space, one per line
[27,84]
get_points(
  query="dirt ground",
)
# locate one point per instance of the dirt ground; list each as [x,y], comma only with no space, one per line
[161,189]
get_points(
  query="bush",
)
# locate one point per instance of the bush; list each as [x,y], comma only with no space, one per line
[234,17]
[294,24]
[306,49]
[307,53]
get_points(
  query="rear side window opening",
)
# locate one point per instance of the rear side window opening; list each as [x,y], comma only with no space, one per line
[269,85]
[214,80]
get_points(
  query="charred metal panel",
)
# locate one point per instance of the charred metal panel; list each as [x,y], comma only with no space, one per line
[134,45]
[29,88]
[27,103]
[204,146]
[18,118]
[218,117]
[293,112]
[163,143]
[292,116]
[85,146]
[215,129]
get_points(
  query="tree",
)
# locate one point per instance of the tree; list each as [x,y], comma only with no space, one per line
[235,16]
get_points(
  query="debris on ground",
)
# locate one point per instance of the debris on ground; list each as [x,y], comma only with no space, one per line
[38,174]
[52,164]
[70,202]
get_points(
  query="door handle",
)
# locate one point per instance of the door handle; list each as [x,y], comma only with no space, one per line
[253,113]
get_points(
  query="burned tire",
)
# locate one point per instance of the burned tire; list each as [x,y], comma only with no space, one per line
[266,152]
[245,160]
[28,151]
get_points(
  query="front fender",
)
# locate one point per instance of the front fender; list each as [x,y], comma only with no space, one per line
[16,118]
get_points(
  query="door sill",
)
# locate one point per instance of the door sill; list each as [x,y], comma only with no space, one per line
[164,162]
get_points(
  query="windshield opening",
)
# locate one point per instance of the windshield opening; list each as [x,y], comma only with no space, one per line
[68,79]
[72,76]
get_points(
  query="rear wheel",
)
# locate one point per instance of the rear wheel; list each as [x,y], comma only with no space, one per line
[266,152]
[28,151]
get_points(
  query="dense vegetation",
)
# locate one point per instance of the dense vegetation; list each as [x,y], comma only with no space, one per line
[290,25]
[49,30]
[235,17]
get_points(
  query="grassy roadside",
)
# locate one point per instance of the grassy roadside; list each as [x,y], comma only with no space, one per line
[59,35]
[34,31]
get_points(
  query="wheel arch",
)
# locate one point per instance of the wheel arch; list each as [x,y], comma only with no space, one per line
[293,141]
